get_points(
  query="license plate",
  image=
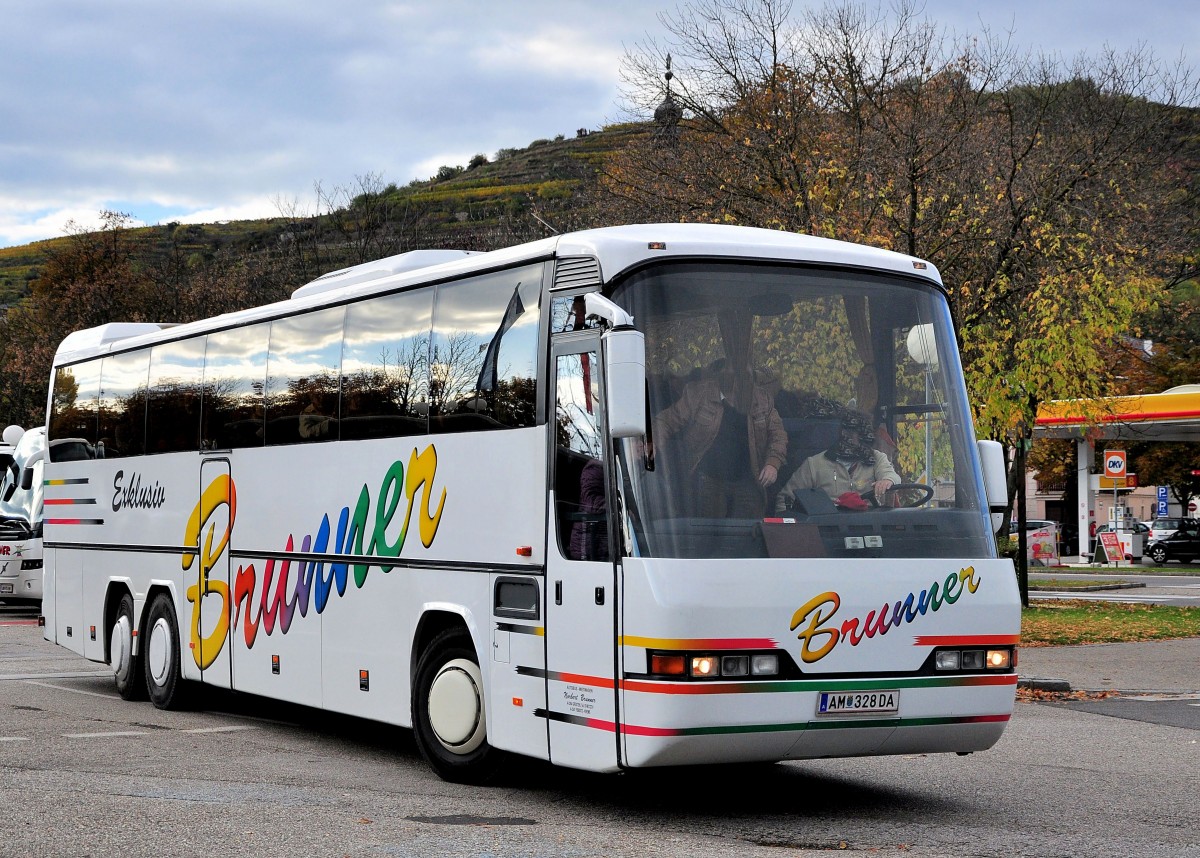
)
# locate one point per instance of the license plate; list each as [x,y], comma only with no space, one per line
[852,702]
[6,588]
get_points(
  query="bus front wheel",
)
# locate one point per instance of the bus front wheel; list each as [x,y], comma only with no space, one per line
[127,667]
[449,720]
[160,655]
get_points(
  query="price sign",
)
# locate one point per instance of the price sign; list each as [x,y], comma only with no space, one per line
[1114,463]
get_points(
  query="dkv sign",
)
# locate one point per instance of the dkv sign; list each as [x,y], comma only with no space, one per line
[1114,463]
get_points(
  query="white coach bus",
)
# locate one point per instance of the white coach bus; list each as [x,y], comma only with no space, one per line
[637,496]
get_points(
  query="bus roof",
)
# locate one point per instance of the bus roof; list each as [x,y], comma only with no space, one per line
[616,248]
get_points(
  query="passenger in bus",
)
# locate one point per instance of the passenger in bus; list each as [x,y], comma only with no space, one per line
[589,535]
[847,471]
[725,430]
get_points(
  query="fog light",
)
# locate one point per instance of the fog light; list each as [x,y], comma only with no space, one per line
[735,665]
[949,659]
[764,665]
[999,659]
[705,665]
[972,659]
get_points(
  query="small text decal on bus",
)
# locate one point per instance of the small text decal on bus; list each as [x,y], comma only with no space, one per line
[134,495]
[353,528]
[817,639]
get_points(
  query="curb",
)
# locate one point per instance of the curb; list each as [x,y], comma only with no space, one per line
[1091,588]
[1044,684]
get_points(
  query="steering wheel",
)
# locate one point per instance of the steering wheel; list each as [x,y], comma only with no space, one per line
[900,495]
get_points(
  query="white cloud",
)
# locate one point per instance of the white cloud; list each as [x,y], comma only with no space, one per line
[215,111]
[553,50]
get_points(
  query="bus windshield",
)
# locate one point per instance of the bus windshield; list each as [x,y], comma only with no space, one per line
[798,412]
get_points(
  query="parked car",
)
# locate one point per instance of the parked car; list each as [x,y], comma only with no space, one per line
[1032,524]
[1182,545]
[1138,527]
[1161,528]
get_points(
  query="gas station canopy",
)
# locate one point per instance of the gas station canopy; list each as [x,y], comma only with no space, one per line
[1173,415]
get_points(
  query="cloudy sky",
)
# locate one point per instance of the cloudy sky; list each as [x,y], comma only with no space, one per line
[228,109]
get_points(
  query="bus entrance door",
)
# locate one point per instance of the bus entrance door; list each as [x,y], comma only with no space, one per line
[209,593]
[581,593]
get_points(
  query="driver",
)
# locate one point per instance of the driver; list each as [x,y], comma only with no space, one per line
[849,469]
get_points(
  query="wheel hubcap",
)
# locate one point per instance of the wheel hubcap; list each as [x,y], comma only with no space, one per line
[159,657]
[121,647]
[456,706]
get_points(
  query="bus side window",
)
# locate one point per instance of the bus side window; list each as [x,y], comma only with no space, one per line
[235,371]
[73,403]
[303,371]
[122,405]
[579,485]
[483,354]
[385,366]
[173,399]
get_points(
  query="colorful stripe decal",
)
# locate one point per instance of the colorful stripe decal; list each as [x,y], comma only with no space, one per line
[780,686]
[699,643]
[75,481]
[857,723]
[966,640]
[68,501]
[74,521]
[540,631]
[792,686]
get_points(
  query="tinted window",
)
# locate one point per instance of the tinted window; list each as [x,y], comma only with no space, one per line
[385,366]
[122,405]
[483,355]
[173,405]
[235,371]
[73,403]
[302,377]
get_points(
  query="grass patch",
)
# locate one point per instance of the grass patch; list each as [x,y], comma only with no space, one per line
[1167,569]
[1083,622]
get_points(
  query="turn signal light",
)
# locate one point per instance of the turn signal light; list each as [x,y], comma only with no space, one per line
[667,665]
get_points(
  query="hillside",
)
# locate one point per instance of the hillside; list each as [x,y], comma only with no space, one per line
[475,207]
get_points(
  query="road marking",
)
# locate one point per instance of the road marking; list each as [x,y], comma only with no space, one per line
[73,690]
[230,729]
[14,738]
[112,735]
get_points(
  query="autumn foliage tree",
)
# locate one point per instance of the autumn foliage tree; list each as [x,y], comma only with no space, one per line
[1042,189]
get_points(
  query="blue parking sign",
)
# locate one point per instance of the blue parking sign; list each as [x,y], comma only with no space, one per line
[1161,506]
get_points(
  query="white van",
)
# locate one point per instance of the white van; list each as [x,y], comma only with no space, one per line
[21,521]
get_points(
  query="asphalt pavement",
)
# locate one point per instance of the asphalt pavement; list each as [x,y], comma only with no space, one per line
[1148,667]
[1170,667]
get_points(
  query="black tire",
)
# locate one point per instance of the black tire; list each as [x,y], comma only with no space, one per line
[128,673]
[160,655]
[1158,554]
[448,711]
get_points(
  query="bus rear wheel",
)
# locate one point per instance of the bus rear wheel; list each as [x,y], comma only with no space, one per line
[160,655]
[127,666]
[449,720]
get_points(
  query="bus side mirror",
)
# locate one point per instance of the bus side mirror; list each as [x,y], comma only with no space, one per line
[995,480]
[624,350]
[27,469]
